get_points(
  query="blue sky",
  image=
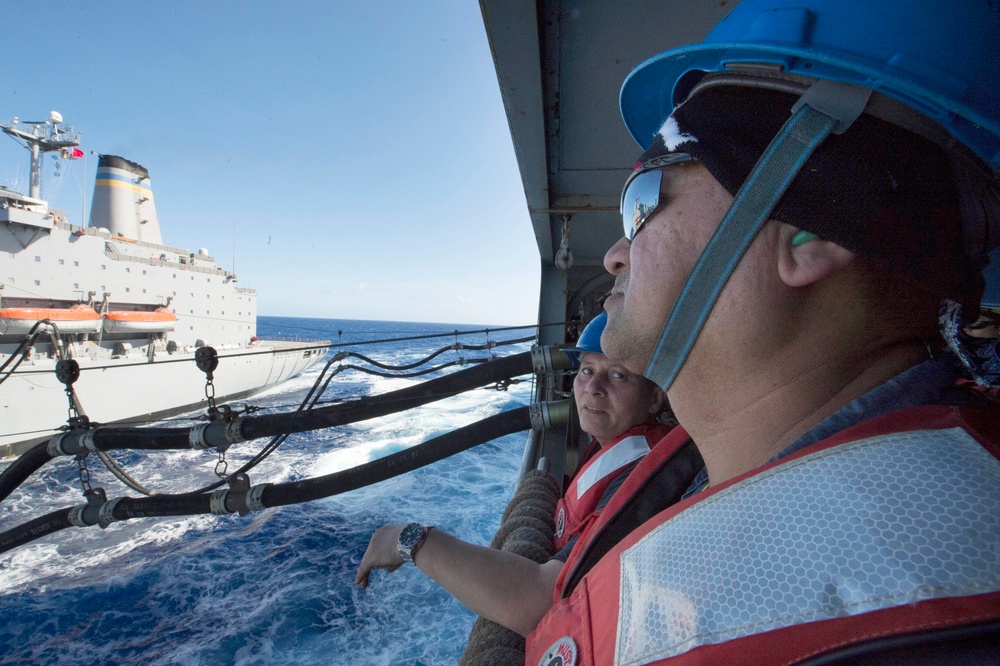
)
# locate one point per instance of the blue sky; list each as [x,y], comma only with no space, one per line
[355,154]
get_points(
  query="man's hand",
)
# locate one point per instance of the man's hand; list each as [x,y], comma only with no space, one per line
[381,553]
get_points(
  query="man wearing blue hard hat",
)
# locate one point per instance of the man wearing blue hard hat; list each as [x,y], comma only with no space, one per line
[815,204]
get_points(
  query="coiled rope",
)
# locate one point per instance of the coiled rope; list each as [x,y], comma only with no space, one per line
[526,529]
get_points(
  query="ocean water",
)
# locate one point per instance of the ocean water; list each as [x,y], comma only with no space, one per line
[276,586]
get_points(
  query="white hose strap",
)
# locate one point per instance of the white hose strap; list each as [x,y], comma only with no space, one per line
[218,502]
[87,441]
[255,498]
[75,515]
[196,438]
[55,448]
[233,434]
[107,513]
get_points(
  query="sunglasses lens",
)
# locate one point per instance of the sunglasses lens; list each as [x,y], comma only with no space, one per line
[641,196]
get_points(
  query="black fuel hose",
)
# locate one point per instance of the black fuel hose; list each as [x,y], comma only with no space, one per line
[35,529]
[306,490]
[271,425]
[401,462]
[18,471]
[389,403]
[37,456]
[281,494]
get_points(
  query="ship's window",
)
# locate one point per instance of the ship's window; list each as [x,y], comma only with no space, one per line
[103,288]
[38,283]
[128,289]
[143,271]
[62,262]
[192,277]
[76,285]
[175,275]
[76,263]
[37,258]
[104,267]
[144,291]
[128,270]
[190,311]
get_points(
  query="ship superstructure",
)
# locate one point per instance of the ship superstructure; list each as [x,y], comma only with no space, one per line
[131,310]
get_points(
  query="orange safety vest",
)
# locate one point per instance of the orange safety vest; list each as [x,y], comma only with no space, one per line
[578,507]
[883,532]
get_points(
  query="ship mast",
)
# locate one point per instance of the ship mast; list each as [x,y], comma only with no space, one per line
[58,137]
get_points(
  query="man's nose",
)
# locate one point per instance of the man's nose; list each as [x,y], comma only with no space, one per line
[616,260]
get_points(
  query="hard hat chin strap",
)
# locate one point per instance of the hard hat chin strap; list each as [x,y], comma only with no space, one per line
[826,107]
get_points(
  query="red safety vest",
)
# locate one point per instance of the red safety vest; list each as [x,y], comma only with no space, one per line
[885,529]
[578,507]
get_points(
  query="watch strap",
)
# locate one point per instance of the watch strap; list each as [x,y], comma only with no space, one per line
[411,537]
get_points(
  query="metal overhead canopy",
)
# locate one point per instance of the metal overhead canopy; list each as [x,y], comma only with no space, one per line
[560,65]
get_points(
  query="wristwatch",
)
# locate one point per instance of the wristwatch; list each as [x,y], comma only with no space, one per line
[410,539]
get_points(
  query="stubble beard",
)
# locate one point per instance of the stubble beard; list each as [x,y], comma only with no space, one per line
[627,340]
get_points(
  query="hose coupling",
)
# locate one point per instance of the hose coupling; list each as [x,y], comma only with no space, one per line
[547,414]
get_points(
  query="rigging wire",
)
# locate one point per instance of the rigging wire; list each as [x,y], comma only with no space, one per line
[309,401]
[312,397]
[250,408]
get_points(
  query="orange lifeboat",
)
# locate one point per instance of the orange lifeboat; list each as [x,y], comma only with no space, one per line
[159,320]
[76,319]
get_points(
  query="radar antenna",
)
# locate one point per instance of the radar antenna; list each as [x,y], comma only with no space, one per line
[39,137]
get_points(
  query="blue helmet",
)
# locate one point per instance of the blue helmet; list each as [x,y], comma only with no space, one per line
[937,56]
[590,339]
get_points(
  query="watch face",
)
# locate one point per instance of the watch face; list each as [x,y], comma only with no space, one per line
[410,535]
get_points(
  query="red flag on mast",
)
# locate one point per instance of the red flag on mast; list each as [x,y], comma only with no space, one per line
[71,153]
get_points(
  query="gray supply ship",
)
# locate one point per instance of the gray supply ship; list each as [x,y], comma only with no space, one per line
[130,310]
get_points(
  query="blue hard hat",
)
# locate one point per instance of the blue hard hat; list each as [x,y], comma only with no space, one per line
[937,56]
[590,339]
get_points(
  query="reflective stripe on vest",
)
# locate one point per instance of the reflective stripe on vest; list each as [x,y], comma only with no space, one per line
[608,462]
[867,525]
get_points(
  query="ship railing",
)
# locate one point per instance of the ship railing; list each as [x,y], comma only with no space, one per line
[111,253]
[289,338]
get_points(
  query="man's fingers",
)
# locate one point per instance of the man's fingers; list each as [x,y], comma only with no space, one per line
[381,554]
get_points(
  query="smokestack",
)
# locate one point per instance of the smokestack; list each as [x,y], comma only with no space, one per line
[123,200]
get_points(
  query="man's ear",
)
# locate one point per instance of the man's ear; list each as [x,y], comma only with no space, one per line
[801,264]
[656,402]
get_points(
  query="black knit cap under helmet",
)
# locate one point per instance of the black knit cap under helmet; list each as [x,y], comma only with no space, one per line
[877,190]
